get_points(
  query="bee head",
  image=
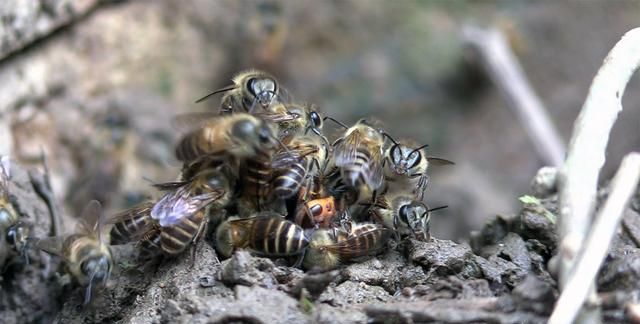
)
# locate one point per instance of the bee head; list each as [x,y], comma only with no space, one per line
[403,158]
[263,89]
[259,134]
[97,269]
[416,215]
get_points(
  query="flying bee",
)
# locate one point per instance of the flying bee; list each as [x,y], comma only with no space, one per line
[178,219]
[12,230]
[239,135]
[250,89]
[409,166]
[404,214]
[329,248]
[265,233]
[358,155]
[86,253]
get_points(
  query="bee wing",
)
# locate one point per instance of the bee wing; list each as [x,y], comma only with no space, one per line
[190,121]
[439,161]
[52,245]
[166,186]
[180,203]
[283,159]
[5,173]
[91,219]
[361,245]
[346,149]
[277,117]
[375,175]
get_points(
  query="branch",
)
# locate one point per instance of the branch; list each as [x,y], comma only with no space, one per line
[505,71]
[577,288]
[578,178]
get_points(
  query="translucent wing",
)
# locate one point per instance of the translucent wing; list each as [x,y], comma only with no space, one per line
[175,205]
[166,186]
[277,117]
[283,159]
[375,174]
[52,245]
[346,149]
[5,174]
[190,121]
[90,222]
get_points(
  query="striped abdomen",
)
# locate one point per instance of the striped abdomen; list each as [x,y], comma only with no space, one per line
[287,183]
[275,236]
[150,245]
[364,240]
[356,172]
[131,224]
[197,143]
[257,179]
[175,238]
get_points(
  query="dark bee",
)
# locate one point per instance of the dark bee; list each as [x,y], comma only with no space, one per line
[265,233]
[86,253]
[179,218]
[408,166]
[13,232]
[329,248]
[250,89]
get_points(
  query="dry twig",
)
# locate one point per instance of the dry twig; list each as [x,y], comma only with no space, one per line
[506,73]
[578,178]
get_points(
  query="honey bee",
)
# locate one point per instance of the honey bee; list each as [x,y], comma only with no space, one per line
[409,166]
[178,219]
[304,158]
[295,119]
[14,231]
[86,253]
[319,211]
[238,135]
[329,248]
[358,155]
[404,214]
[265,233]
[250,88]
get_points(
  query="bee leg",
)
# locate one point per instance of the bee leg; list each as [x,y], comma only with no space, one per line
[421,187]
[42,186]
[196,239]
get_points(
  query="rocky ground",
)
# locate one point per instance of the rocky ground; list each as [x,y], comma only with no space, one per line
[94,84]
[502,276]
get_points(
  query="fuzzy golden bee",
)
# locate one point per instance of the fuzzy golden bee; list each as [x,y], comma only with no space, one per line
[251,89]
[403,213]
[408,166]
[86,252]
[358,155]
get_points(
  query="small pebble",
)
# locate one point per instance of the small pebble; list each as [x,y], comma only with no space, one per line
[207,281]
[161,285]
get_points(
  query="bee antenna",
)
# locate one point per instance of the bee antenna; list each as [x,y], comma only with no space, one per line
[216,92]
[438,208]
[335,121]
[418,149]
[385,134]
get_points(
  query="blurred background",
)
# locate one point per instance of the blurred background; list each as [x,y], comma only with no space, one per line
[94,84]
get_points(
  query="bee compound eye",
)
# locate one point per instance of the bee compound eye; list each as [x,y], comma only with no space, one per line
[315,119]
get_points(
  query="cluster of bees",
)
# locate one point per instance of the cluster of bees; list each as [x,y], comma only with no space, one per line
[262,175]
